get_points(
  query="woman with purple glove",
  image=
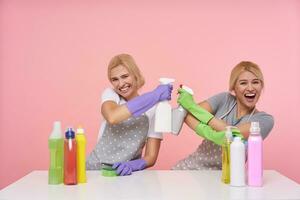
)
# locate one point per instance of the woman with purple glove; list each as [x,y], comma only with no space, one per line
[128,120]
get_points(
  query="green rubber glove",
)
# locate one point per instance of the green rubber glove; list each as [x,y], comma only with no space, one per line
[186,100]
[217,137]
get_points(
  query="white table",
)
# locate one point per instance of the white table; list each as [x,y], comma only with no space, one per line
[151,184]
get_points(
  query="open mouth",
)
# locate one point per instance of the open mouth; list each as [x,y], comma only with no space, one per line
[250,96]
[124,89]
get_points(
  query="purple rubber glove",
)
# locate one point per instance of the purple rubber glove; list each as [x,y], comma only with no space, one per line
[141,104]
[126,168]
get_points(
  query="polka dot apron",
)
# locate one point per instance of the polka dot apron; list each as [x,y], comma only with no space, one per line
[120,142]
[208,155]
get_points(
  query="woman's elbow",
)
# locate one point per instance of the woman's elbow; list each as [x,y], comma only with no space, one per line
[112,120]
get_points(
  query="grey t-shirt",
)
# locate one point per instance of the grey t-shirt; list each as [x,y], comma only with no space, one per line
[223,102]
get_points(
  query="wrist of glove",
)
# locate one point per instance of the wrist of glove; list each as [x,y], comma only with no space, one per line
[126,168]
[217,137]
[141,104]
[186,100]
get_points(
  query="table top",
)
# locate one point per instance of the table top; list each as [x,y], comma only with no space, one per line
[152,184]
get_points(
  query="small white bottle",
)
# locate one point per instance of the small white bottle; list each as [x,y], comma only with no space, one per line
[179,114]
[163,113]
[237,162]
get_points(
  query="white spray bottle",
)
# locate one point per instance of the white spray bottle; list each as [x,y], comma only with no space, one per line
[163,113]
[179,114]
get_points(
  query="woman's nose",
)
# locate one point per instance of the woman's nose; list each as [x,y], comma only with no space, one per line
[250,87]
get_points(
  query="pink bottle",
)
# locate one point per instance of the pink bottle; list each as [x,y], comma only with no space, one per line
[255,168]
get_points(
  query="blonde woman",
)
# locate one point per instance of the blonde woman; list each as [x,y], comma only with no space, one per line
[235,108]
[128,120]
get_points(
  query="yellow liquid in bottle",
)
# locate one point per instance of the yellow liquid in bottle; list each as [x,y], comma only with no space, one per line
[226,162]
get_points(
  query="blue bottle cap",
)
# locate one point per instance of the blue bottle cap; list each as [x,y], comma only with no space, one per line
[70,133]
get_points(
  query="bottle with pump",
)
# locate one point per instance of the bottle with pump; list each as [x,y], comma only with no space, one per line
[237,162]
[80,155]
[56,146]
[226,155]
[255,151]
[163,113]
[70,158]
[179,114]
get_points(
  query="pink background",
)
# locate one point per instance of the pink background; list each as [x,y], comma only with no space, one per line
[53,59]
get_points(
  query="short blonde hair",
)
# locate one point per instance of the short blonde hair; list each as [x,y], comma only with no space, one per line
[127,61]
[241,67]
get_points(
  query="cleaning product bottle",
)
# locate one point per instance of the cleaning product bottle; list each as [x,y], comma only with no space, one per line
[226,155]
[163,113]
[255,151]
[237,162]
[80,155]
[56,146]
[70,158]
[179,114]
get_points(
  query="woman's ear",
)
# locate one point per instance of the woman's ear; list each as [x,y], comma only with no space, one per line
[232,92]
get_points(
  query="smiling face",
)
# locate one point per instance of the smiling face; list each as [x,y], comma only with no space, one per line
[247,90]
[123,82]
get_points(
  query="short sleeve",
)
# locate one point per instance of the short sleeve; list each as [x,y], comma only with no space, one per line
[266,123]
[151,116]
[110,95]
[217,101]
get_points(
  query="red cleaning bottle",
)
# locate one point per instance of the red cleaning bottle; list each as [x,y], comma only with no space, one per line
[70,177]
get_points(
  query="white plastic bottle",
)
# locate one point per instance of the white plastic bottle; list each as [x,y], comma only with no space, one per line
[255,159]
[163,113]
[237,162]
[179,114]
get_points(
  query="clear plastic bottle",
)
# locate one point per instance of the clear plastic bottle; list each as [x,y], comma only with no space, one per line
[80,155]
[70,158]
[237,162]
[56,147]
[163,112]
[226,155]
[255,159]
[179,114]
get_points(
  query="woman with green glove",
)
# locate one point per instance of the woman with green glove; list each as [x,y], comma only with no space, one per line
[235,108]
[128,124]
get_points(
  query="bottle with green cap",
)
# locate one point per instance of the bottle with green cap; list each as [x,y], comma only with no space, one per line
[56,148]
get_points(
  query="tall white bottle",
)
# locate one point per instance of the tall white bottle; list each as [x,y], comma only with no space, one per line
[163,113]
[237,162]
[179,114]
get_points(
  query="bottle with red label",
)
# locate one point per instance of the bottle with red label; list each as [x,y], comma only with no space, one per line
[70,177]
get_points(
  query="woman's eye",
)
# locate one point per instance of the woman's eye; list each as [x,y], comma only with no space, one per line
[256,82]
[243,83]
[125,76]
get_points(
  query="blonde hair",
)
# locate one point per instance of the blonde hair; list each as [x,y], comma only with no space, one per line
[127,61]
[242,67]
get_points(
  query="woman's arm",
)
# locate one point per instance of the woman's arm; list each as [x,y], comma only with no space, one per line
[114,113]
[151,152]
[216,124]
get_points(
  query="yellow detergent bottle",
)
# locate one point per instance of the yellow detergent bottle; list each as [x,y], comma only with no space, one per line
[226,156]
[80,155]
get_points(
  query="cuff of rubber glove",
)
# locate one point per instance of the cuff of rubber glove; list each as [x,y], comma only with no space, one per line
[201,114]
[142,164]
[210,134]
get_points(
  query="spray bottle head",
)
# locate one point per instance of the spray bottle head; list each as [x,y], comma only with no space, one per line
[70,134]
[186,88]
[165,81]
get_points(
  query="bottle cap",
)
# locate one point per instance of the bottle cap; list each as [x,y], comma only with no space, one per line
[228,132]
[254,128]
[70,134]
[56,131]
[237,139]
[80,130]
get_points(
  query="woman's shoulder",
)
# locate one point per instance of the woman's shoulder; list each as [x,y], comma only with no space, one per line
[263,115]
[109,94]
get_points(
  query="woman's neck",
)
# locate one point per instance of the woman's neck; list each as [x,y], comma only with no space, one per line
[242,110]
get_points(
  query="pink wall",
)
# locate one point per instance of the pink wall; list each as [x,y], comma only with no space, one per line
[53,59]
